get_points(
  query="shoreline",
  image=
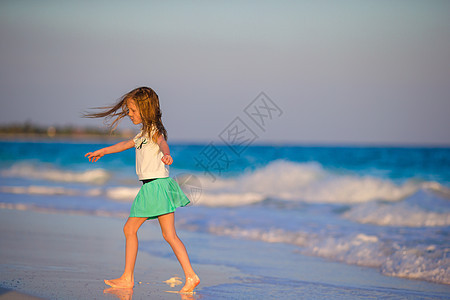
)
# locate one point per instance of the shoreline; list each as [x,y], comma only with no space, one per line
[21,137]
[88,138]
[65,256]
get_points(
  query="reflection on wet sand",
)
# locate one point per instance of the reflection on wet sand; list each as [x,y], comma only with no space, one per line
[127,294]
[185,296]
[122,294]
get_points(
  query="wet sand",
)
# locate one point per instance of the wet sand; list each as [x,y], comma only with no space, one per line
[67,256]
[62,256]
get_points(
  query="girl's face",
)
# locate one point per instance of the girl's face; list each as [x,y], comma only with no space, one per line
[133,112]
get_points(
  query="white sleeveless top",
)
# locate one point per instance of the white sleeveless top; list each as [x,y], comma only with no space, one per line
[148,158]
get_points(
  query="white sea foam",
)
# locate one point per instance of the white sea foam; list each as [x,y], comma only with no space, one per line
[229,199]
[121,193]
[32,207]
[127,194]
[360,249]
[424,263]
[38,190]
[270,236]
[30,171]
[437,188]
[398,214]
[308,182]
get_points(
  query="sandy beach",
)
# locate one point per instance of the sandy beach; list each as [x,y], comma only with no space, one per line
[67,256]
[60,256]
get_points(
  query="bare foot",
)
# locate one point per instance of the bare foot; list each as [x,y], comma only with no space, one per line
[120,283]
[191,283]
[189,296]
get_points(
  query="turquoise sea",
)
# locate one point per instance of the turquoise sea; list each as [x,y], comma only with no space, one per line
[386,208]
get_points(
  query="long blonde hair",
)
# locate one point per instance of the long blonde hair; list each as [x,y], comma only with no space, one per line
[147,101]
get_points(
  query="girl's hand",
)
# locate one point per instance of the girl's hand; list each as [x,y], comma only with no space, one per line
[94,156]
[167,159]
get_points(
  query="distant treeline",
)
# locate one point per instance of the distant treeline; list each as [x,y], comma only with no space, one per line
[30,129]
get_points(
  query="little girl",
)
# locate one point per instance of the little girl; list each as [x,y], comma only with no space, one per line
[159,195]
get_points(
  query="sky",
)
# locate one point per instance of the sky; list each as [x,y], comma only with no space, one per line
[340,72]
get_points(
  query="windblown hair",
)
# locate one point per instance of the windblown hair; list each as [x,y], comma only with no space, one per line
[148,103]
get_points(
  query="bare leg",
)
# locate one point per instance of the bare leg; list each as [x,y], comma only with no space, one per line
[168,231]
[131,248]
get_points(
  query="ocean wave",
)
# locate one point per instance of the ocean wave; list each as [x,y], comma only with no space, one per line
[307,182]
[399,214]
[37,208]
[272,235]
[424,262]
[284,180]
[30,171]
[127,194]
[358,249]
[122,193]
[38,190]
[229,199]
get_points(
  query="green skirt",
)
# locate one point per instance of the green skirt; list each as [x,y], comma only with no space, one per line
[158,197]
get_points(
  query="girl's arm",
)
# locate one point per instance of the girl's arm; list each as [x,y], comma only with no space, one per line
[164,147]
[94,156]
